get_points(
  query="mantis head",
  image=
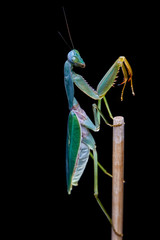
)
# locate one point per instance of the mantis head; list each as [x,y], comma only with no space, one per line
[75,58]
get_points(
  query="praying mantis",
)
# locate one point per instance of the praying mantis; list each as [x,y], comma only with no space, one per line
[79,141]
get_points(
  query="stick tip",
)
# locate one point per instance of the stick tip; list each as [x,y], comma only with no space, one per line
[118,120]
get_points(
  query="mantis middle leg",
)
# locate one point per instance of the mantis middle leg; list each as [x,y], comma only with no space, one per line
[107,106]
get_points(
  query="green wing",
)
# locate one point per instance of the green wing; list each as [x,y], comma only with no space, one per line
[72,147]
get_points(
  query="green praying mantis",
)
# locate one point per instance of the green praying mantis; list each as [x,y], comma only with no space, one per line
[79,141]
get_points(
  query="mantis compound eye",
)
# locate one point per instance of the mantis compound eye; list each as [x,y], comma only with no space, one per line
[74,59]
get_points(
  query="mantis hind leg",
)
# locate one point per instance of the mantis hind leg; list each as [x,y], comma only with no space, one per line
[90,142]
[96,190]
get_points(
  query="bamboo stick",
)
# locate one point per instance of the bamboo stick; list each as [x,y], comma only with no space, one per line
[118,176]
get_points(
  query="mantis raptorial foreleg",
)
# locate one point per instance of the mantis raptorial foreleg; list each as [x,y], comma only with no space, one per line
[106,83]
[110,77]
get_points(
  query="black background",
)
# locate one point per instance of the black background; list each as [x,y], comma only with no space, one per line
[101,33]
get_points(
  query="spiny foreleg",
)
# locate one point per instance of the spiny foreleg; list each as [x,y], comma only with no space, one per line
[110,77]
[127,76]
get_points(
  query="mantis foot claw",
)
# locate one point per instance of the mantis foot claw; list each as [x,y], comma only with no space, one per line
[117,125]
[118,234]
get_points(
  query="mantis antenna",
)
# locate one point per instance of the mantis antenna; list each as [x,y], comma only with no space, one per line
[64,40]
[68,28]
